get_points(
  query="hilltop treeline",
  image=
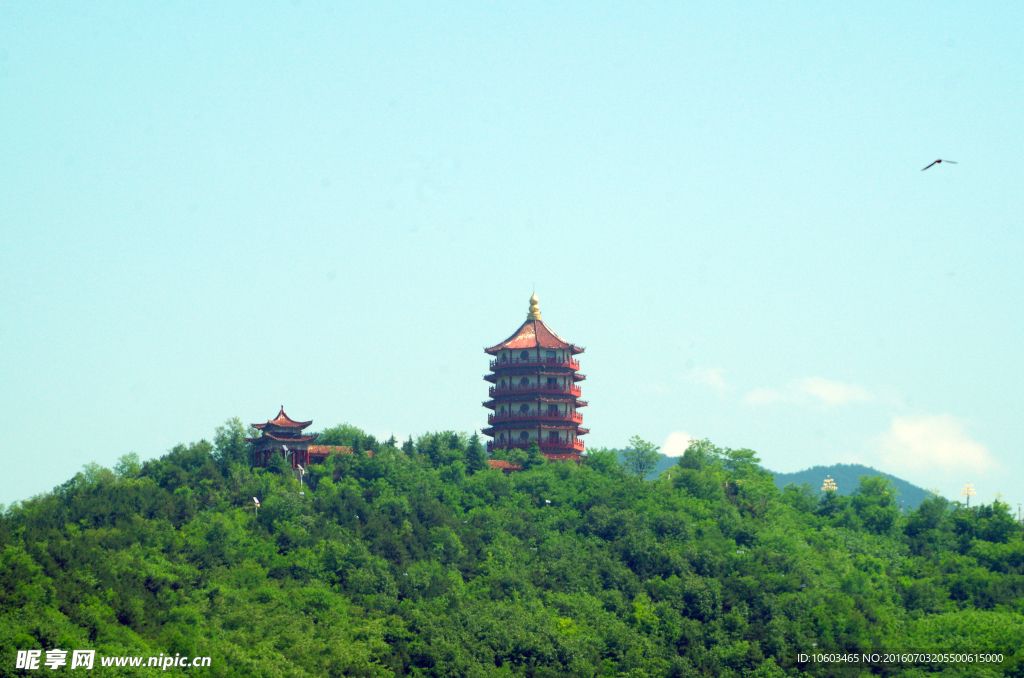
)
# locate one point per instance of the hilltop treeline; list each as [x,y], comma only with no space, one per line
[419,560]
[846,477]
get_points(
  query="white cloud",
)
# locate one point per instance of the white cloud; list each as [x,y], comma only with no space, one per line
[709,377]
[676,444]
[932,442]
[808,390]
[834,392]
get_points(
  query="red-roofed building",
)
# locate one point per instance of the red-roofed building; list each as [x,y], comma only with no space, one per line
[283,435]
[534,396]
[318,454]
[505,467]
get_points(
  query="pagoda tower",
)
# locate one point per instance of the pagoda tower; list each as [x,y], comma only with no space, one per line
[534,396]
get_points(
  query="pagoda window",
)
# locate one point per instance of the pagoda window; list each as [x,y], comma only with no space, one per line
[552,381]
[525,355]
[502,437]
[504,357]
[502,410]
[524,436]
[553,437]
[524,408]
[503,383]
[552,409]
[524,382]
[551,354]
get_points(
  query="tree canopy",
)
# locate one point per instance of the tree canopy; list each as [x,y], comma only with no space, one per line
[423,561]
[641,457]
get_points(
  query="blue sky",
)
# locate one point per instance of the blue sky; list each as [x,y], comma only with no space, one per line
[210,210]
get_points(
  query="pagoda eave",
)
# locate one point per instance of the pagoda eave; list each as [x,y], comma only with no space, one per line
[529,423]
[494,376]
[552,366]
[549,426]
[492,404]
[572,348]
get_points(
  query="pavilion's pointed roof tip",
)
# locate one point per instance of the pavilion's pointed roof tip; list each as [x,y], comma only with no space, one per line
[284,421]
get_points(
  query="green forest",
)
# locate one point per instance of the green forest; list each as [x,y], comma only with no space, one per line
[846,477]
[417,559]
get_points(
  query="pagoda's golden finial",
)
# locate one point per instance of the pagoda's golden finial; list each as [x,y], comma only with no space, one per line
[534,313]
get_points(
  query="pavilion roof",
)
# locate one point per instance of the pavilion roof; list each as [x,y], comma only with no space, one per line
[296,439]
[284,421]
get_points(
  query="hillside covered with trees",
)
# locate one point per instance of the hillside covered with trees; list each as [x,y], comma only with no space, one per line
[847,477]
[421,560]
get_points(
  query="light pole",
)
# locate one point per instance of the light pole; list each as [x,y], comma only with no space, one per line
[302,472]
[257,502]
[968,492]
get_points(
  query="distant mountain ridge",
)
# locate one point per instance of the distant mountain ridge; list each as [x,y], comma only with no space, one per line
[847,477]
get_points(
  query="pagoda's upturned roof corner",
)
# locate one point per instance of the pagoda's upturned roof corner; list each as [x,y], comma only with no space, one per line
[284,421]
[534,333]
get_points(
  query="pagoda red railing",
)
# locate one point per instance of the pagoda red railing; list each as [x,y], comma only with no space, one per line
[534,415]
[550,388]
[545,445]
[555,362]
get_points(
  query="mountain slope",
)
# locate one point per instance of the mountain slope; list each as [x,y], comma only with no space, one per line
[425,562]
[847,477]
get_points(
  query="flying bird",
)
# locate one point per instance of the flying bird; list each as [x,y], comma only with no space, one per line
[952,162]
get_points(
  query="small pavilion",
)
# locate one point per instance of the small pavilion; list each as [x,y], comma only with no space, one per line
[283,435]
